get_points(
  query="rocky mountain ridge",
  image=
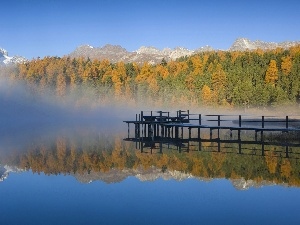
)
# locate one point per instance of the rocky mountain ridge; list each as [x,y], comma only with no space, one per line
[244,44]
[6,60]
[116,53]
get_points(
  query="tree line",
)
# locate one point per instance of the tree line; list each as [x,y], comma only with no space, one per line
[72,156]
[234,79]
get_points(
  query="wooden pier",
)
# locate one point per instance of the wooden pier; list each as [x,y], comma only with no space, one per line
[183,127]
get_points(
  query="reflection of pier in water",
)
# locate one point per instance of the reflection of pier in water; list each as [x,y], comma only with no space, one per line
[184,131]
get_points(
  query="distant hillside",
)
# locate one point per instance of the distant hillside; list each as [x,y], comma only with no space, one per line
[116,53]
[244,44]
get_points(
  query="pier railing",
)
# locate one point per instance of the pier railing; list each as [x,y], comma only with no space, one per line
[158,128]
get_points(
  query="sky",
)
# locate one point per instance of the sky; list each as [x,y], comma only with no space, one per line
[39,28]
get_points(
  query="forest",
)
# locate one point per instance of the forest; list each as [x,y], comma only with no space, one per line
[217,78]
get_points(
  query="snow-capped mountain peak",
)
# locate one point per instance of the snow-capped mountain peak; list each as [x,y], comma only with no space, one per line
[6,60]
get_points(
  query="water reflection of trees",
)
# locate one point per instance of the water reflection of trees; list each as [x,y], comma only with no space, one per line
[67,156]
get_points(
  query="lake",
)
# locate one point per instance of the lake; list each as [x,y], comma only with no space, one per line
[88,172]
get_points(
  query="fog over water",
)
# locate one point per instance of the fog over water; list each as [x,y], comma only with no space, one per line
[26,117]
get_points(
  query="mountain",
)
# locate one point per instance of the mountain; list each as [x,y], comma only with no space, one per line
[244,44]
[116,53]
[144,175]
[3,173]
[153,173]
[6,60]
[242,184]
[116,176]
[5,170]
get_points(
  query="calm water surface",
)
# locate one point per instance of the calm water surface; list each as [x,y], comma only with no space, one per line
[89,175]
[28,198]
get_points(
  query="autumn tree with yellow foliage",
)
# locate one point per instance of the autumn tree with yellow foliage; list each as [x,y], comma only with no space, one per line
[253,78]
[272,73]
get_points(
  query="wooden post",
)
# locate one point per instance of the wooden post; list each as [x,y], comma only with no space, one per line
[287,122]
[181,132]
[166,131]
[128,130]
[262,126]
[240,125]
[136,130]
[199,127]
[199,119]
[152,133]
[139,125]
[219,124]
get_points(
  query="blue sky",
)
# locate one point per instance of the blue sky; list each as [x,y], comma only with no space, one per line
[33,28]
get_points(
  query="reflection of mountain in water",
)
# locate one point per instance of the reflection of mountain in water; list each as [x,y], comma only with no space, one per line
[111,160]
[242,184]
[115,175]
[152,174]
[6,170]
[3,173]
